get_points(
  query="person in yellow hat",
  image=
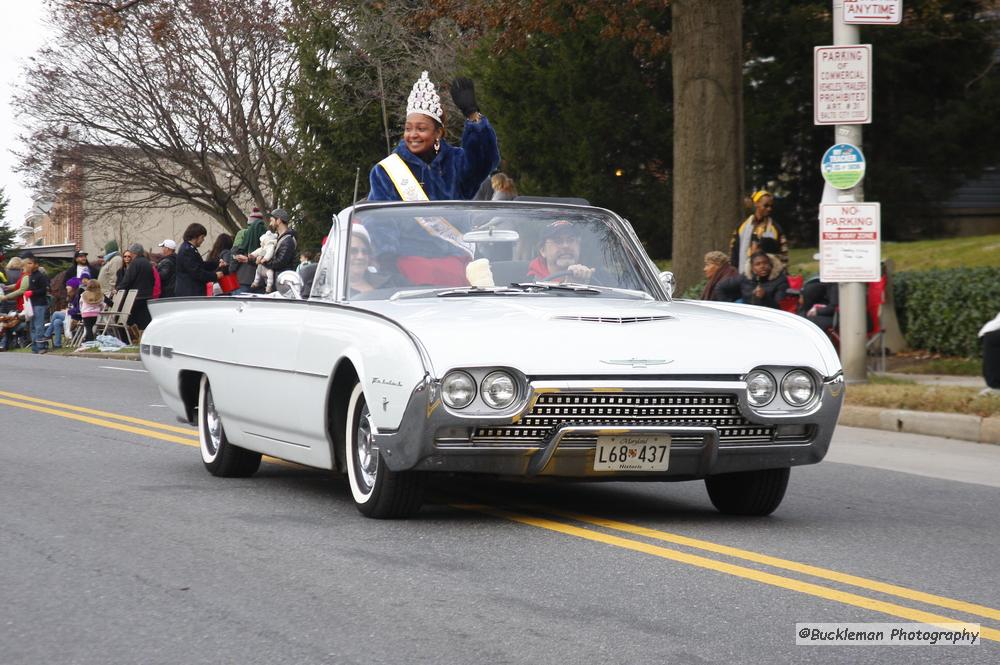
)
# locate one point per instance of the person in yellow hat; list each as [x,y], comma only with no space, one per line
[746,238]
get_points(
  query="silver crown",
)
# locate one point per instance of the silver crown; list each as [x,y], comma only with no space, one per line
[424,99]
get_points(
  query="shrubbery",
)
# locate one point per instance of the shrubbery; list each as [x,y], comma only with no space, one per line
[943,310]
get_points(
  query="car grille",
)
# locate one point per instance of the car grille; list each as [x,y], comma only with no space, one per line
[618,409]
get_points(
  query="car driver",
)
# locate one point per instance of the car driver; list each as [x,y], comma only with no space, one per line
[559,255]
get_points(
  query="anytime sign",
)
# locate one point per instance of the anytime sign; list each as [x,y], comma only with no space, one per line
[849,242]
[873,12]
[842,85]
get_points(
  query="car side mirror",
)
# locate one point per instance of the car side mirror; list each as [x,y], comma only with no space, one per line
[289,285]
[667,280]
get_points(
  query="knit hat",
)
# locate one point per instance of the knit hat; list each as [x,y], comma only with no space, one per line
[256,214]
[424,99]
[111,247]
[361,232]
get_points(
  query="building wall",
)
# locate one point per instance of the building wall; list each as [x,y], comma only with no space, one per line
[72,220]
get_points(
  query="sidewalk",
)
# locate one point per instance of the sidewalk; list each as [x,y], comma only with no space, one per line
[949,425]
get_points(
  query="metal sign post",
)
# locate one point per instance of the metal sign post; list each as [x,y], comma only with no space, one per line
[853,325]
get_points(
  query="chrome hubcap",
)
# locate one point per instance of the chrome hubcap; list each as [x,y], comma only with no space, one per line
[213,424]
[367,451]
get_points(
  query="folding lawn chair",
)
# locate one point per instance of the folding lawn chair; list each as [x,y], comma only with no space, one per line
[116,320]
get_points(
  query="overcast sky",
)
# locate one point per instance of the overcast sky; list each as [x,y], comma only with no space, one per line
[23,34]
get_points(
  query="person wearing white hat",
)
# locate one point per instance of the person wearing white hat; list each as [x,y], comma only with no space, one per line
[424,166]
[167,267]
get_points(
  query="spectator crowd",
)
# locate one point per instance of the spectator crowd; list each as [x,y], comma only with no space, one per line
[39,309]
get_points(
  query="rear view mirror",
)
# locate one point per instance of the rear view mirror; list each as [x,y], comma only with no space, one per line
[491,235]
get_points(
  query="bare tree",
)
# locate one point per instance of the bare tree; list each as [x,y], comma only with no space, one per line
[185,102]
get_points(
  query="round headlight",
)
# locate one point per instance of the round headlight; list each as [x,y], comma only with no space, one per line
[458,389]
[760,388]
[499,390]
[797,387]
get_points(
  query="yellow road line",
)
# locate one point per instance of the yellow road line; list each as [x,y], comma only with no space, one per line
[187,441]
[36,404]
[808,588]
[785,564]
[193,441]
[95,412]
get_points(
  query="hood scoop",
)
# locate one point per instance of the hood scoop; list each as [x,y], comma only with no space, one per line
[620,320]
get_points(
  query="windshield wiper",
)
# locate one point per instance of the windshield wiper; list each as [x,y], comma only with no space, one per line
[479,291]
[587,289]
[553,286]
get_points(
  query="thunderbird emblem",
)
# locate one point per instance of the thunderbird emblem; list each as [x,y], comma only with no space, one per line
[638,363]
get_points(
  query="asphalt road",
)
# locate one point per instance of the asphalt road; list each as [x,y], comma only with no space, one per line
[117,547]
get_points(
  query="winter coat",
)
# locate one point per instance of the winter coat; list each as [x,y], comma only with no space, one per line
[109,274]
[193,272]
[713,291]
[37,283]
[453,174]
[167,267]
[284,253]
[138,276]
[72,271]
[775,286]
[245,272]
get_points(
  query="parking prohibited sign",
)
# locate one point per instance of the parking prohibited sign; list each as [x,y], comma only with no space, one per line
[842,85]
[850,236]
[873,12]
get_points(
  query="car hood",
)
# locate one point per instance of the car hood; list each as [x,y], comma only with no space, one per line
[546,335]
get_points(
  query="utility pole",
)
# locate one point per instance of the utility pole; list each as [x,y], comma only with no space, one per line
[853,323]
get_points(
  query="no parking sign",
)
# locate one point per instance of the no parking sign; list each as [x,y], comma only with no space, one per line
[849,242]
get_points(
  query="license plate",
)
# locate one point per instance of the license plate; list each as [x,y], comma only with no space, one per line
[629,452]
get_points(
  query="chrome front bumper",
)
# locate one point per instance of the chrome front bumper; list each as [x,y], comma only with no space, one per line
[430,436]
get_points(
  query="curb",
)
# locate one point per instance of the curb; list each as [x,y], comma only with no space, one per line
[948,425]
[102,356]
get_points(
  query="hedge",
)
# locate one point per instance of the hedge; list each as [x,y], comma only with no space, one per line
[939,310]
[943,310]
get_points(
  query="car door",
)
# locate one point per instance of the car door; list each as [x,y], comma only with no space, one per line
[266,334]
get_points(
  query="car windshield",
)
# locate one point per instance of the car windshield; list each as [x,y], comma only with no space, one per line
[490,250]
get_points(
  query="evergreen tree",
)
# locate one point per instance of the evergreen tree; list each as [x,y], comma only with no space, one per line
[573,111]
[8,236]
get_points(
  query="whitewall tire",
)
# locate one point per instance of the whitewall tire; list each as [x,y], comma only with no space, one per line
[221,457]
[377,491]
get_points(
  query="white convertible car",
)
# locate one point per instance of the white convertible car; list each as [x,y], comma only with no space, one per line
[513,339]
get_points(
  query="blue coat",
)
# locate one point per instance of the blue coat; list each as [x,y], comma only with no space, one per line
[455,173]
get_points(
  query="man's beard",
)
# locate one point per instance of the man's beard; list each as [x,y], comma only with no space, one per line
[565,260]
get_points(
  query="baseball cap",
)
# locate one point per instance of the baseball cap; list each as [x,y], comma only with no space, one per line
[559,226]
[168,243]
[79,253]
[280,213]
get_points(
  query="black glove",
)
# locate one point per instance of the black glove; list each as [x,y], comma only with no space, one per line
[463,93]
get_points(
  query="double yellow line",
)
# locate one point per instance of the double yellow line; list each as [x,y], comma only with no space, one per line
[82,414]
[605,531]
[790,583]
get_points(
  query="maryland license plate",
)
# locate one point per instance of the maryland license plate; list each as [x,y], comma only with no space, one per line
[629,452]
